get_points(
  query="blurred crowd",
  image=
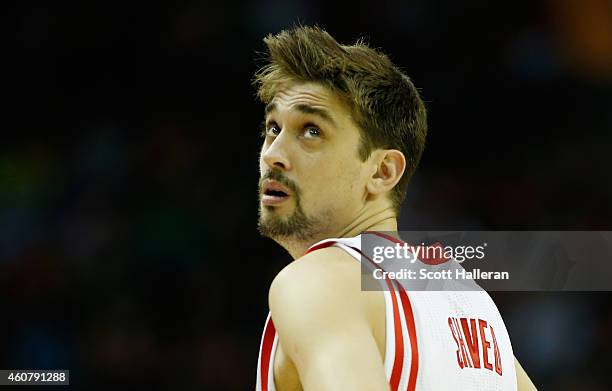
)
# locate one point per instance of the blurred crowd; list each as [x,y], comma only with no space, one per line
[129,252]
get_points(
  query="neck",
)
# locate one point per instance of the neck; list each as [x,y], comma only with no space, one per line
[383,220]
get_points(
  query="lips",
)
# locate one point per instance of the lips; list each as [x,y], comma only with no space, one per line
[274,193]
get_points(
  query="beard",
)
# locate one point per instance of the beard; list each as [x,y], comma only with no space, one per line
[297,226]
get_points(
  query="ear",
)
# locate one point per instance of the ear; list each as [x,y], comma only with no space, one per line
[389,168]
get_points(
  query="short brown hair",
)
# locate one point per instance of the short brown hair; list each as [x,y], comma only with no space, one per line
[385,104]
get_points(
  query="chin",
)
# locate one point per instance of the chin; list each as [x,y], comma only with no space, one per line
[276,210]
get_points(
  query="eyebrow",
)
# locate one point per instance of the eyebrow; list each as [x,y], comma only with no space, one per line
[306,109]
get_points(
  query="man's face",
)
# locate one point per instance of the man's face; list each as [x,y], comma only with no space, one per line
[312,180]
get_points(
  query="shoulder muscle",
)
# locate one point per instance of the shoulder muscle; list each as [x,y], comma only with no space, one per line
[316,294]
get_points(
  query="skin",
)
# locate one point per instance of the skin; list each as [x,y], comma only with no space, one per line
[331,333]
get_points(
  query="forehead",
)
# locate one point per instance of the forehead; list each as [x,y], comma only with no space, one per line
[296,95]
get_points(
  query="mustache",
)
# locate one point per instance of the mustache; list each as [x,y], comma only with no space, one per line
[277,176]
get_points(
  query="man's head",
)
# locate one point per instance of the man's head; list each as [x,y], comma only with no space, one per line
[344,132]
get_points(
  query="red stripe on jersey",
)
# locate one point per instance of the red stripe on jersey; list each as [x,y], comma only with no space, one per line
[398,360]
[266,353]
[320,246]
[414,368]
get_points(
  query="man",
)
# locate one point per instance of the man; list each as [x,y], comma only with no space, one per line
[344,131]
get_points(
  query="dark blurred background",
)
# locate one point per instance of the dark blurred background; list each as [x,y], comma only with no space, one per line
[128,172]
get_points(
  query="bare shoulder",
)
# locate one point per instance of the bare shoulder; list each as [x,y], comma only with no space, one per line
[317,304]
[329,271]
[324,284]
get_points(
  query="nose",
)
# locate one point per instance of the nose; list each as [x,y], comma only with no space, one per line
[276,154]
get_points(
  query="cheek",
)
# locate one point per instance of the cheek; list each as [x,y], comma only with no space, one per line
[339,184]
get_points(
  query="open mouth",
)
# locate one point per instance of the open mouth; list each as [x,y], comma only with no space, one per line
[274,193]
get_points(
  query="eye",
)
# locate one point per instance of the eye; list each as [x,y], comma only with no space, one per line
[311,132]
[270,129]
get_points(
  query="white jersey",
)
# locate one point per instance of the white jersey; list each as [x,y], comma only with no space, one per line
[435,340]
